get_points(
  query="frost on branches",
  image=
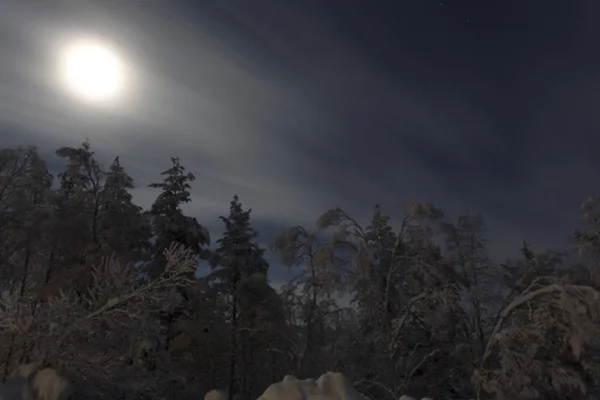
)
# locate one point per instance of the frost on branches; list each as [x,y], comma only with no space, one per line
[544,344]
[106,340]
[409,306]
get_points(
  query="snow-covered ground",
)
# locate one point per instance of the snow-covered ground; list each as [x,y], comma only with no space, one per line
[330,386]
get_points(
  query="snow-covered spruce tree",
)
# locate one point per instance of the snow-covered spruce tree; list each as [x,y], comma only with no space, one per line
[77,212]
[81,185]
[122,227]
[200,335]
[169,223]
[94,213]
[238,270]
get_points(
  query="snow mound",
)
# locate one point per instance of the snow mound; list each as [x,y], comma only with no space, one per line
[30,381]
[330,386]
[214,394]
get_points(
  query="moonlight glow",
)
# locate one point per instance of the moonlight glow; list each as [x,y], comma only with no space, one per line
[92,70]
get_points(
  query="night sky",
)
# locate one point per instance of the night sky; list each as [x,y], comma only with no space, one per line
[300,106]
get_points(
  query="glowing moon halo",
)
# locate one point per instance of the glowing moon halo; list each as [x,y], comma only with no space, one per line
[92,70]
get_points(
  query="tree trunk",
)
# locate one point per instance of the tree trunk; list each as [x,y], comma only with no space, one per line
[21,294]
[253,375]
[233,347]
[244,373]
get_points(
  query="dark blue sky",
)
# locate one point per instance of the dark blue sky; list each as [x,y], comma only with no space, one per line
[299,106]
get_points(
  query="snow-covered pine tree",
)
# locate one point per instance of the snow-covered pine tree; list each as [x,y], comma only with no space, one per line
[236,264]
[122,226]
[169,223]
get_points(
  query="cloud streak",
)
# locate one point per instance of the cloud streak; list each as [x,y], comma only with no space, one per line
[294,111]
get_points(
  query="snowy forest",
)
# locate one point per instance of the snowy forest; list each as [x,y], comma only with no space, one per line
[106,293]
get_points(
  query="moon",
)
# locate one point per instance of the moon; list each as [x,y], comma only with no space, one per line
[92,70]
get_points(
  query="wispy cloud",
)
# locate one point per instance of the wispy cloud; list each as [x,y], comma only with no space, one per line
[279,105]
